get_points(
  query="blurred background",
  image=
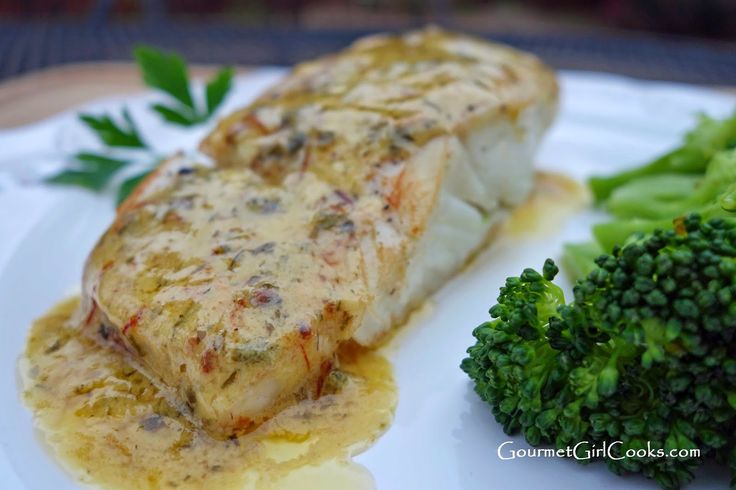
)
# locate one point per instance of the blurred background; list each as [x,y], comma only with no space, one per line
[682,40]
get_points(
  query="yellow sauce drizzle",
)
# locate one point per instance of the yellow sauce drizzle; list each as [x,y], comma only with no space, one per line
[554,198]
[109,426]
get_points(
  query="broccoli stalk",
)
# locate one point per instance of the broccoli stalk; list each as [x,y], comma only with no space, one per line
[578,258]
[652,202]
[699,177]
[645,352]
[609,234]
[667,195]
[699,146]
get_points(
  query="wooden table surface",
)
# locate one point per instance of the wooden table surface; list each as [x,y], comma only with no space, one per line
[41,94]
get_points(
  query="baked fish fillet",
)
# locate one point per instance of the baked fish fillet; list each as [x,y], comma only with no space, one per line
[435,131]
[340,199]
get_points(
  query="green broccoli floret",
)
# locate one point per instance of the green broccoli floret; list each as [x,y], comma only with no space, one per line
[645,352]
[516,337]
[708,138]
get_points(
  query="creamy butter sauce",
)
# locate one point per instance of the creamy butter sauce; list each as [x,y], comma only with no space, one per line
[554,199]
[110,426]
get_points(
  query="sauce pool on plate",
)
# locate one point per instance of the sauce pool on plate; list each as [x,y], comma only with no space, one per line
[109,426]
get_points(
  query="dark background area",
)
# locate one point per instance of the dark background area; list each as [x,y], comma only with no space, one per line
[684,40]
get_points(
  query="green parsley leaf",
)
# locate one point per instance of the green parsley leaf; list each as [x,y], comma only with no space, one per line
[89,170]
[127,187]
[163,71]
[99,163]
[113,134]
[175,116]
[217,88]
[90,180]
[166,72]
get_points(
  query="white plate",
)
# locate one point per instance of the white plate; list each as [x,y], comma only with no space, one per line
[443,436]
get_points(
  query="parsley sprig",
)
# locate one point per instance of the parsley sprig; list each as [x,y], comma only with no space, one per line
[168,72]
[89,170]
[123,134]
[119,134]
